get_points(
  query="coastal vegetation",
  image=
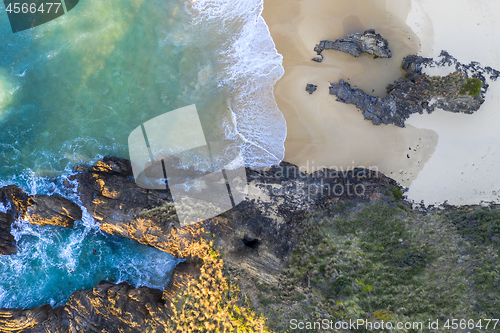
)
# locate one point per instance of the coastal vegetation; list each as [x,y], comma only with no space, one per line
[384,261]
[454,84]
[471,87]
[213,303]
[448,85]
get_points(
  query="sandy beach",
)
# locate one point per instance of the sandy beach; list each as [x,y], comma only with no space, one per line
[426,155]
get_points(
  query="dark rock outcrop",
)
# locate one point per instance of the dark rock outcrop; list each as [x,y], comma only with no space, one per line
[108,307]
[310,88]
[54,210]
[15,199]
[355,44]
[40,209]
[7,242]
[109,164]
[462,91]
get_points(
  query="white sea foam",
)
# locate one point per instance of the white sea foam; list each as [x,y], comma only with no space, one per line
[252,67]
[54,256]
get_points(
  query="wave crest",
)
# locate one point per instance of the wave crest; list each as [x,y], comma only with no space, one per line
[252,66]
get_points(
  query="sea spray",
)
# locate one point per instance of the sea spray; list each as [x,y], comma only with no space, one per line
[52,262]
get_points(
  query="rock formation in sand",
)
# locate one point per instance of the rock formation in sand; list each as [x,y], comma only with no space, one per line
[310,88]
[355,44]
[461,91]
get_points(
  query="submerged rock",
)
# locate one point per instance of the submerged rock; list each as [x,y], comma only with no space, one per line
[355,44]
[461,91]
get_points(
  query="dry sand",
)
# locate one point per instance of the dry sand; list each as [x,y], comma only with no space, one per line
[323,132]
[465,166]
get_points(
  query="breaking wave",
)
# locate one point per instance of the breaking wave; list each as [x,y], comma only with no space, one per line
[252,66]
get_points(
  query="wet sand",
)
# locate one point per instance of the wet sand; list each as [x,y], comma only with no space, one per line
[325,133]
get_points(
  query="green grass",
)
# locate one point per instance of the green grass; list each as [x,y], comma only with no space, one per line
[379,261]
[480,230]
[482,226]
[393,192]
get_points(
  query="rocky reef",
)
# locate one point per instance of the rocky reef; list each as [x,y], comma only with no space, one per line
[461,91]
[355,44]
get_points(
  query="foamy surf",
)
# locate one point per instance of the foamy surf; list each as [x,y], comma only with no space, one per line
[252,66]
[52,262]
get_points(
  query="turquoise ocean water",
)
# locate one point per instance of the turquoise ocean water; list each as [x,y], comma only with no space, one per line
[73,89]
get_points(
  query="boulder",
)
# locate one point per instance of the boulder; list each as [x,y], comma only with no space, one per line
[310,88]
[39,209]
[7,242]
[355,44]
[52,210]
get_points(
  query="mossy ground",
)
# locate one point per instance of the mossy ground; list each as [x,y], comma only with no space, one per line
[384,261]
[453,85]
[448,85]
[471,87]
